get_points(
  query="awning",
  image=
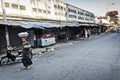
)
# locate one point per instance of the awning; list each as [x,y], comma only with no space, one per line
[22,24]
[94,25]
[89,24]
[70,24]
[28,26]
[33,24]
[46,24]
[9,24]
[84,24]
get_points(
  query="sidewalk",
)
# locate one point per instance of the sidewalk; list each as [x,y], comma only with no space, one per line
[53,47]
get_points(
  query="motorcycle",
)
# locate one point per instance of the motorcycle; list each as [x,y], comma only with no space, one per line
[11,58]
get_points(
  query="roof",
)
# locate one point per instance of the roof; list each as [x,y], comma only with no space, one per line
[30,24]
[22,24]
[46,24]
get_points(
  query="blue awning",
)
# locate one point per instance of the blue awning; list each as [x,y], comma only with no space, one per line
[70,24]
[28,26]
[22,24]
[9,24]
[46,24]
[84,24]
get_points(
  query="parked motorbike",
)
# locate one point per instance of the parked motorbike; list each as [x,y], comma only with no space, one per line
[11,58]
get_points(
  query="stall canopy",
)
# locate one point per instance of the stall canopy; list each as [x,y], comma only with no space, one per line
[22,24]
[32,24]
[28,26]
[70,24]
[89,24]
[46,24]
[84,24]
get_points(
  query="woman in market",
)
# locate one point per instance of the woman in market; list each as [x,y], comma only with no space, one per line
[27,54]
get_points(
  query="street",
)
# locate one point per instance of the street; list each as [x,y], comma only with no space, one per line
[94,59]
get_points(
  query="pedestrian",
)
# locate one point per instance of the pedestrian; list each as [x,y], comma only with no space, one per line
[27,54]
[98,31]
[86,33]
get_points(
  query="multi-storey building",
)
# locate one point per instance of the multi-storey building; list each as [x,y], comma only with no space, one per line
[61,14]
[79,15]
[35,9]
[45,9]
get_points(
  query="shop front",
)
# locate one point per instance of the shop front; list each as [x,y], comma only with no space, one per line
[46,40]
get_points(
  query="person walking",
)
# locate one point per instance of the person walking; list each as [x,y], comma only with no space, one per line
[86,33]
[27,54]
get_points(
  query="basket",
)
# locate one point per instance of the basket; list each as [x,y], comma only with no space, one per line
[23,34]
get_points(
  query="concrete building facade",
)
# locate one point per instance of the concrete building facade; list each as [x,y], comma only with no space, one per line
[46,9]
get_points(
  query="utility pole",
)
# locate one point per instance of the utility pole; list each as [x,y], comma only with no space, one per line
[5,21]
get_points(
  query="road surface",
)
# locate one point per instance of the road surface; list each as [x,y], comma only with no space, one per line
[94,59]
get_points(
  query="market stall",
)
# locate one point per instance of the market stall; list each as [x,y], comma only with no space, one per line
[46,40]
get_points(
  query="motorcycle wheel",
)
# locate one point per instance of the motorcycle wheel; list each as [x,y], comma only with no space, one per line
[4,60]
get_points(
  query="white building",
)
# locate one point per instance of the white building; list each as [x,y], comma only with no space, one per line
[45,9]
[35,9]
[79,15]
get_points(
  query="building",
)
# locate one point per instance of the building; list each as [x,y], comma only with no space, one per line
[79,15]
[47,10]
[35,9]
[45,13]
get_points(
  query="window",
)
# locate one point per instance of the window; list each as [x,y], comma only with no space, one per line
[49,12]
[74,11]
[86,14]
[32,1]
[39,10]
[92,16]
[22,7]
[81,13]
[61,7]
[44,11]
[75,17]
[58,6]
[7,5]
[55,6]
[55,13]
[86,19]
[49,7]
[81,18]
[15,6]
[69,10]
[38,0]
[34,10]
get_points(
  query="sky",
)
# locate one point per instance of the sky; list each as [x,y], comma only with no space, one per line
[98,7]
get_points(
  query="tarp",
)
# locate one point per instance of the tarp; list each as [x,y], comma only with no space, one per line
[84,24]
[70,24]
[9,24]
[22,24]
[89,24]
[28,26]
[46,24]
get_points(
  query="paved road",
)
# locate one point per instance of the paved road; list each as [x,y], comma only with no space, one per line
[95,59]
